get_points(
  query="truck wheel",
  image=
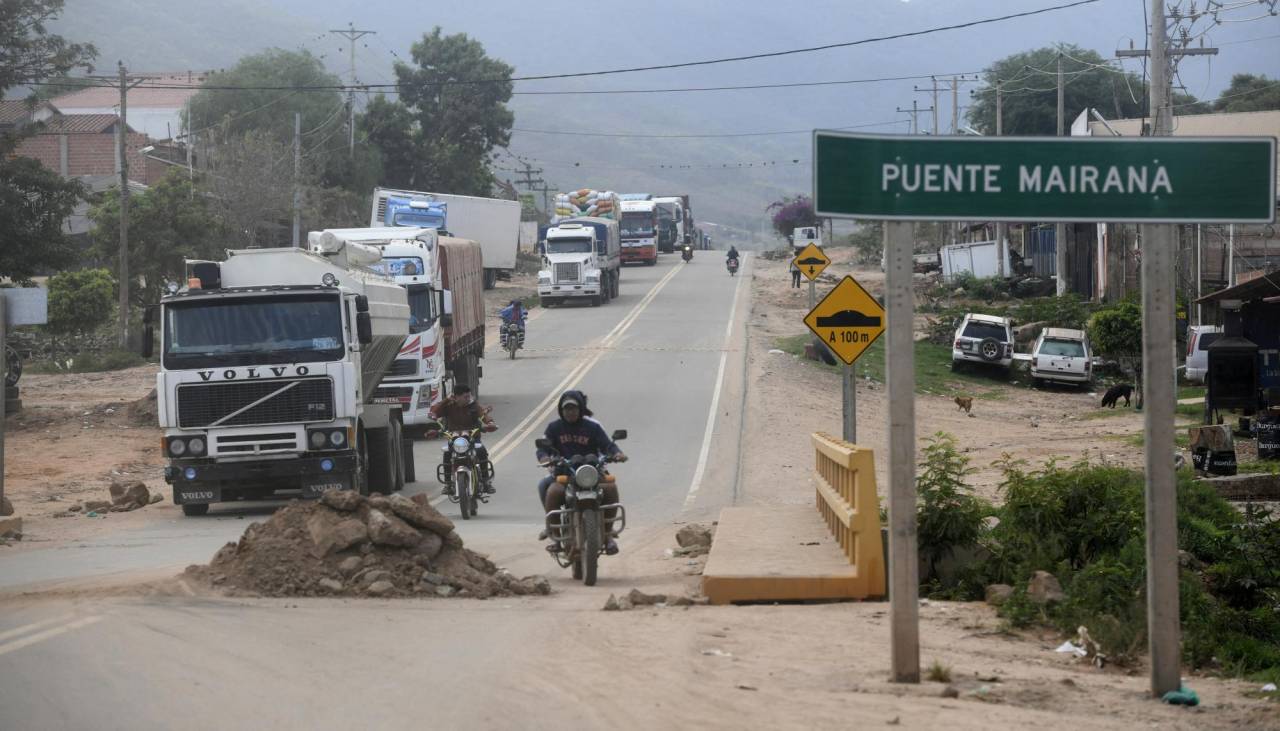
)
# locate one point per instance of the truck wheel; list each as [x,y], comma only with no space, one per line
[410,469]
[397,454]
[490,278]
[617,287]
[595,301]
[196,509]
[381,470]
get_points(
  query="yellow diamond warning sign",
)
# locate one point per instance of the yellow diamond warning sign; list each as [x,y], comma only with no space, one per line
[811,261]
[848,320]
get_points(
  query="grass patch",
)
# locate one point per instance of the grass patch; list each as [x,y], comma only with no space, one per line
[938,673]
[115,360]
[1262,466]
[933,368]
[1191,392]
[1181,439]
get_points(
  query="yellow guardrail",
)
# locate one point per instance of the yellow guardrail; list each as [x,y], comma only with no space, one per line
[847,500]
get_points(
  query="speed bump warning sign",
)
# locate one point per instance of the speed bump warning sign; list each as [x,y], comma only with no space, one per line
[848,320]
[811,261]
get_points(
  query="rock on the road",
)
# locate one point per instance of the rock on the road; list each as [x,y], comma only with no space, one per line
[351,545]
[129,496]
[694,534]
[6,507]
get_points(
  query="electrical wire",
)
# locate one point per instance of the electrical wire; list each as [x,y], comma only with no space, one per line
[572,133]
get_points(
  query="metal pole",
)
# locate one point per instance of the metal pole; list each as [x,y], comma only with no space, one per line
[1158,406]
[813,302]
[297,179]
[123,277]
[904,578]
[1199,264]
[4,373]
[1060,228]
[935,105]
[1002,229]
[955,105]
[851,404]
[1231,255]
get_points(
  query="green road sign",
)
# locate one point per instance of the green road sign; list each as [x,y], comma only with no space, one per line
[1086,179]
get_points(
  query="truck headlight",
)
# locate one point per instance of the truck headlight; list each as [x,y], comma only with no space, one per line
[318,438]
[195,446]
[177,447]
[338,437]
[544,277]
[593,278]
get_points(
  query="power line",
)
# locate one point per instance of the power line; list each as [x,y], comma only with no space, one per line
[573,133]
[685,64]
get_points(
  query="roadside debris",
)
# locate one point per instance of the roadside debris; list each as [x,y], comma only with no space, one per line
[636,598]
[694,539]
[345,544]
[1044,588]
[10,529]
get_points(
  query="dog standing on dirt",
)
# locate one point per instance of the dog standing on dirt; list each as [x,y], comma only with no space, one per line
[965,403]
[1114,393]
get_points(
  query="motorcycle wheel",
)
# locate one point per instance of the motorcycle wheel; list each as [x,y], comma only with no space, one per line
[511,348]
[475,493]
[577,563]
[463,490]
[590,545]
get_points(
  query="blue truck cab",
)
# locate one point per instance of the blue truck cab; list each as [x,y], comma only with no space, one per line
[416,212]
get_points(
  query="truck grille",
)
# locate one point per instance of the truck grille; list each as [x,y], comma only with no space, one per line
[202,405]
[403,368]
[566,272]
[230,444]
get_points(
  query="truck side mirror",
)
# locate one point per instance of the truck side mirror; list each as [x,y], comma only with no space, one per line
[362,303]
[446,308]
[364,328]
[619,435]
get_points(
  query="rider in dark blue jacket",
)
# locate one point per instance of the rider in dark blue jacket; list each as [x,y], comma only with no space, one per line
[575,433]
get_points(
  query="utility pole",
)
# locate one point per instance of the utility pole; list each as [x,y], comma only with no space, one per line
[528,180]
[1060,229]
[352,35]
[1002,229]
[934,89]
[297,179]
[914,111]
[123,277]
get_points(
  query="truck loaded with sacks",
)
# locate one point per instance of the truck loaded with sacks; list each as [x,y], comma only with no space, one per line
[587,202]
[582,260]
[269,362]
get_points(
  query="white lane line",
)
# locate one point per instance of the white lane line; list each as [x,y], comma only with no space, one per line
[24,629]
[705,452]
[542,411]
[47,634]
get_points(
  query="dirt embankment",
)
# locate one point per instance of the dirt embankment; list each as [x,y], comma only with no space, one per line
[791,398]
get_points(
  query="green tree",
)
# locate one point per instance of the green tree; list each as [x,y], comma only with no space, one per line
[868,241]
[232,114]
[441,133]
[34,201]
[1249,93]
[167,224]
[80,301]
[1116,333]
[1030,91]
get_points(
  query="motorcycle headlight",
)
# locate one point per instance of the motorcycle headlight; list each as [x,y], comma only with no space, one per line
[177,447]
[586,476]
[196,446]
[460,445]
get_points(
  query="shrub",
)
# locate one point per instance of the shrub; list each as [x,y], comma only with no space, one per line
[80,301]
[948,518]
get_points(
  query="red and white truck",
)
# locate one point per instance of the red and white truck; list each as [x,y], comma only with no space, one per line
[444,278]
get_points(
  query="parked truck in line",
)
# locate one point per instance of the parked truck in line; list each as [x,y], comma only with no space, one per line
[493,222]
[268,366]
[675,209]
[582,259]
[639,230]
[443,278]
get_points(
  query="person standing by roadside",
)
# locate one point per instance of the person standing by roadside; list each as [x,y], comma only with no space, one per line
[795,274]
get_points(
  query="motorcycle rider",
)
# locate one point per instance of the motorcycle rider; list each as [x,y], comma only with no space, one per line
[575,433]
[461,413]
[733,254]
[514,312]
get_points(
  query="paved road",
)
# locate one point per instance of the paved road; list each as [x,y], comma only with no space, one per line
[653,361]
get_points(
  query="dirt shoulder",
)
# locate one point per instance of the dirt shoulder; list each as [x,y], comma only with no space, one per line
[789,398]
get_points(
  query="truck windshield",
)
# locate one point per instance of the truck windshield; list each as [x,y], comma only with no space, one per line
[569,246]
[637,225]
[205,333]
[422,312]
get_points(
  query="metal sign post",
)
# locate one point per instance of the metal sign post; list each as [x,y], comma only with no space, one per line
[846,322]
[18,306]
[850,431]
[1149,180]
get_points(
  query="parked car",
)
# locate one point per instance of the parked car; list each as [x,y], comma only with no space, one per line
[1062,355]
[983,339]
[1199,338]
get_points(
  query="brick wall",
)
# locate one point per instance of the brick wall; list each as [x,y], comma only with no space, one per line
[91,154]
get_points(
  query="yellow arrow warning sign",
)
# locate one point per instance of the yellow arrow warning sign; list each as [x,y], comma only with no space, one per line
[848,320]
[811,261]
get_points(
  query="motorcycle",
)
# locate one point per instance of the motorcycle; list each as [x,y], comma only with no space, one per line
[732,264]
[468,471]
[580,529]
[512,338]
[686,253]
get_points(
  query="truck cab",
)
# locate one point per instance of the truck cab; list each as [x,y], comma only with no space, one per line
[639,230]
[582,258]
[268,362]
[671,213]
[415,212]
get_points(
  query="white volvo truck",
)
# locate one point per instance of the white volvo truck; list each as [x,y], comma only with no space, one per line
[269,361]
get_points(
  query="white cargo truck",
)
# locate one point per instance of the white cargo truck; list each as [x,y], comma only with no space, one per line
[582,260]
[493,222]
[268,362]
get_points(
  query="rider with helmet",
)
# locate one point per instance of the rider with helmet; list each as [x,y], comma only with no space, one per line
[576,433]
[514,312]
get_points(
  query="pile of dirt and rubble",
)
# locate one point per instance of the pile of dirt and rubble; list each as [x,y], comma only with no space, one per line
[346,544]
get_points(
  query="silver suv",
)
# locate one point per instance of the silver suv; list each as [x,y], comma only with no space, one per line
[983,339]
